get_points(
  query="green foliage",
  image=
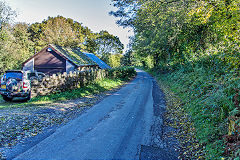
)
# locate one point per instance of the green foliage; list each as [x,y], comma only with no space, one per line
[14,43]
[15,47]
[115,60]
[60,31]
[123,73]
[176,32]
[109,48]
[208,97]
[127,58]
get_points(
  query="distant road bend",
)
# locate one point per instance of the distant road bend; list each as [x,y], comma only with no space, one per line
[119,127]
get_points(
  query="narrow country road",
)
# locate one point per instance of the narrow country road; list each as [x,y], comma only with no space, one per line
[119,127]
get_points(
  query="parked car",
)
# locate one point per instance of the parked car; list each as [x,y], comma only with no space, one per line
[15,83]
[35,75]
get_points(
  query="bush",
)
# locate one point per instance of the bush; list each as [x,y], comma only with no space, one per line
[123,73]
[210,94]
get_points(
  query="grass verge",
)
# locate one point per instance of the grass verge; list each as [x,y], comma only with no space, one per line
[95,88]
[210,98]
[178,117]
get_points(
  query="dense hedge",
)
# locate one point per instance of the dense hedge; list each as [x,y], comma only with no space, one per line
[122,73]
[210,93]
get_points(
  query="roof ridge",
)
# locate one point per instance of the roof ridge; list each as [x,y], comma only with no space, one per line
[75,55]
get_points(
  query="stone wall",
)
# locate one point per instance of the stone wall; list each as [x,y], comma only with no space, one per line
[63,82]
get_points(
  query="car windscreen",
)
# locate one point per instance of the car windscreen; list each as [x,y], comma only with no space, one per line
[17,75]
[29,75]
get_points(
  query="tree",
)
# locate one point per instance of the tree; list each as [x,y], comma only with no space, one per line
[108,44]
[115,60]
[58,31]
[175,32]
[24,46]
[91,45]
[126,11]
[6,14]
[15,46]
[127,58]
[64,32]
[6,38]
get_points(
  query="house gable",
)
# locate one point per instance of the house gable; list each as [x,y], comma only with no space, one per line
[54,59]
[49,61]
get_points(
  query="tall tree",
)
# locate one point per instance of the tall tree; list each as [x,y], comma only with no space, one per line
[127,58]
[59,31]
[64,32]
[6,14]
[108,44]
[174,31]
[15,46]
[24,46]
[127,10]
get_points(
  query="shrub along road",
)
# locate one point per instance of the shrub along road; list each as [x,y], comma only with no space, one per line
[125,125]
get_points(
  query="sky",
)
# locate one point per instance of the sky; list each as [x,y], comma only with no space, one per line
[91,13]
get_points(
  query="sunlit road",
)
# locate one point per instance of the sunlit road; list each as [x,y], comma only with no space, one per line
[113,129]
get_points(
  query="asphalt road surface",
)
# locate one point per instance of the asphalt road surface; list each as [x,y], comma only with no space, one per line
[119,127]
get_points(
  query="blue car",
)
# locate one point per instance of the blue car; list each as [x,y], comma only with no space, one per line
[15,83]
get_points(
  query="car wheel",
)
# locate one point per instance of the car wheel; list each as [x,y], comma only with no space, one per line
[28,97]
[7,99]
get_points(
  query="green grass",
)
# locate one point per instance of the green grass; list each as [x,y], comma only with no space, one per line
[95,88]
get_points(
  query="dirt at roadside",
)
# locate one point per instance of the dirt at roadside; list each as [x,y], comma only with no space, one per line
[176,117]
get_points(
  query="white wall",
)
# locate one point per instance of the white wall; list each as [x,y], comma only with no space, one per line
[29,65]
[69,66]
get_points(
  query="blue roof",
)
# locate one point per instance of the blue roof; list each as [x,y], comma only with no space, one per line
[94,58]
